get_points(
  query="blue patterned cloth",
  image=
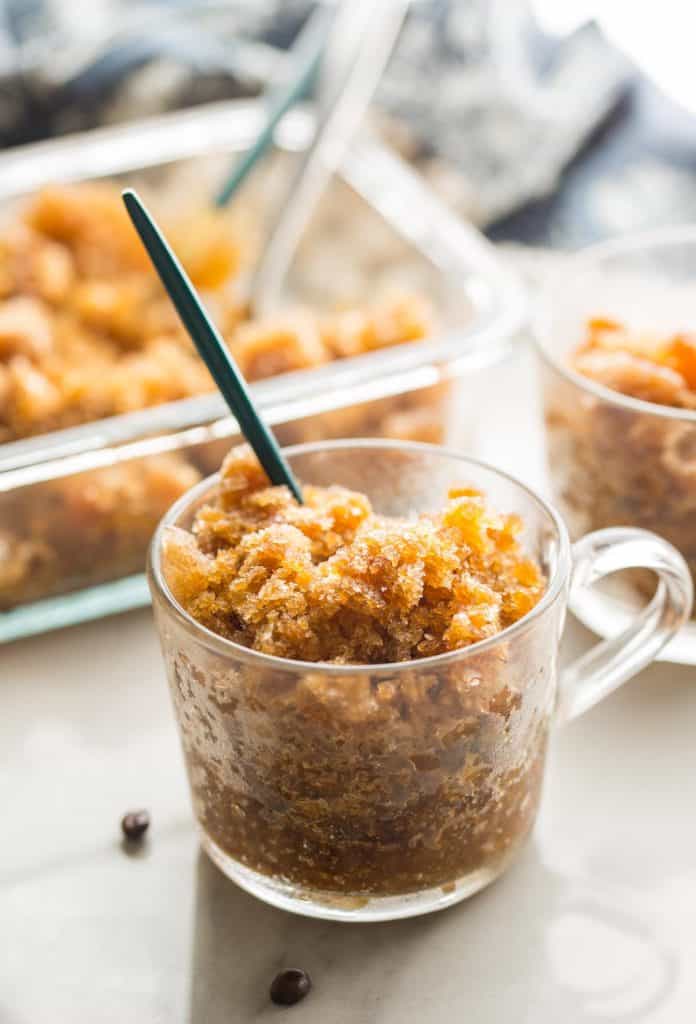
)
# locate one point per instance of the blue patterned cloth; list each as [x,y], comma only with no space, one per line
[474,81]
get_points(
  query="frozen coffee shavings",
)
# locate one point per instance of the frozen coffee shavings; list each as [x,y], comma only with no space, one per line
[659,368]
[334,581]
[617,465]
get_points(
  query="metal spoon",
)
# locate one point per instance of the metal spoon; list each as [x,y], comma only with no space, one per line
[360,43]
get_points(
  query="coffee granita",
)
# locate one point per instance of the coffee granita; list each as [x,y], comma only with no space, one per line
[616,464]
[362,783]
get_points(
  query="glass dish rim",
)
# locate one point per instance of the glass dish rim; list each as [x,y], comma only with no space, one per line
[589,256]
[229,648]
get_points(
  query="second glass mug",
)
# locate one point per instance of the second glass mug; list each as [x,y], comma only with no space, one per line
[373,792]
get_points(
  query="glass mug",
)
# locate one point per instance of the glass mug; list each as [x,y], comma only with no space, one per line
[613,459]
[372,792]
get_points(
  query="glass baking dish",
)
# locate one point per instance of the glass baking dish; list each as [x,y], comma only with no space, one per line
[78,505]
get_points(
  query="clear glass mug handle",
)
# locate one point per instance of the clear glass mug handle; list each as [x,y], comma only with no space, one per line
[611,662]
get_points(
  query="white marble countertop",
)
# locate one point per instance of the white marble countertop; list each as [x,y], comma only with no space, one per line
[594,924]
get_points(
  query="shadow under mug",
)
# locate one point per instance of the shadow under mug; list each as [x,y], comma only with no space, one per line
[373,792]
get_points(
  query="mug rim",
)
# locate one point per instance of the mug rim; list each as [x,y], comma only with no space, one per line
[222,645]
[583,259]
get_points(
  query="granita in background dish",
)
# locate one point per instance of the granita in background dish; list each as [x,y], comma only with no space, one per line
[86,330]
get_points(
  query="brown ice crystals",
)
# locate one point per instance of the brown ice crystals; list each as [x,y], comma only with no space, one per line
[331,580]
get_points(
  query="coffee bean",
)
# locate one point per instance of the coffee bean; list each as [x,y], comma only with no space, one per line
[289,986]
[135,824]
